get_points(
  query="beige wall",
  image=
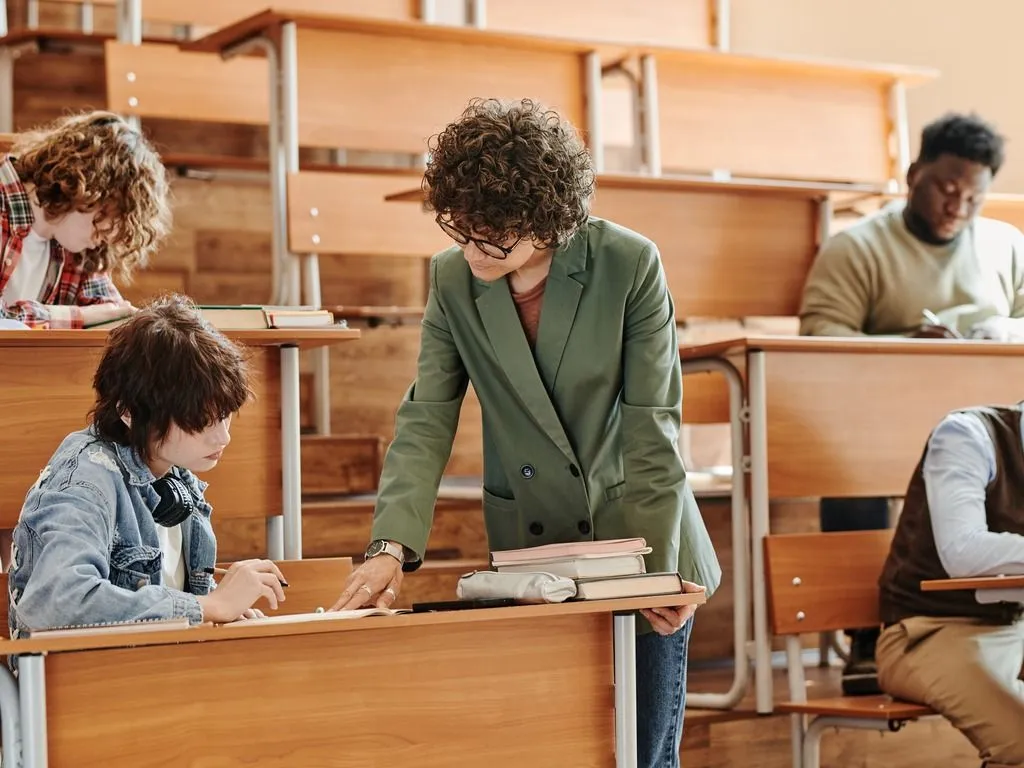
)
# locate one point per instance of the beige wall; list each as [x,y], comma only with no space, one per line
[976,45]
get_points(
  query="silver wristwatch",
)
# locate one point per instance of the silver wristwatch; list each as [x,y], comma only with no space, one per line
[382,547]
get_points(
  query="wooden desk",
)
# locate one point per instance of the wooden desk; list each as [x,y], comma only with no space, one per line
[830,120]
[842,417]
[357,83]
[47,393]
[527,685]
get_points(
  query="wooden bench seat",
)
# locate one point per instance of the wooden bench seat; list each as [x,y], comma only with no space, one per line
[867,707]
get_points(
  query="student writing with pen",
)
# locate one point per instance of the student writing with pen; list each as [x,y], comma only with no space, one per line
[925,267]
[116,527]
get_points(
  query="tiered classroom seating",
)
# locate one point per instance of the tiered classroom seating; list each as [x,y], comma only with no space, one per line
[758,149]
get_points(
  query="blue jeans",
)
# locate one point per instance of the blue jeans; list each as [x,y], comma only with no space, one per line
[661,696]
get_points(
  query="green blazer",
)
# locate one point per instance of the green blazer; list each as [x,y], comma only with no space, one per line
[580,435]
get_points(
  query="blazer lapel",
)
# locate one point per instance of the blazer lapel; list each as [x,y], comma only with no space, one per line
[561,300]
[501,322]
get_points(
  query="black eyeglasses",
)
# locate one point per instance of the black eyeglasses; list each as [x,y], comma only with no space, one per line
[493,250]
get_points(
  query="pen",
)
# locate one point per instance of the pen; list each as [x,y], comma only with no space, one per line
[932,318]
[212,571]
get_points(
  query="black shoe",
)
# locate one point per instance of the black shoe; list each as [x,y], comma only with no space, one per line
[860,675]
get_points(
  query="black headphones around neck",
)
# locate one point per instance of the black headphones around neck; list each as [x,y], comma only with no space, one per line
[176,504]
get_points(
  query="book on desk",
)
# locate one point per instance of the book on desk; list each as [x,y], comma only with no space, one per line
[247,317]
[601,570]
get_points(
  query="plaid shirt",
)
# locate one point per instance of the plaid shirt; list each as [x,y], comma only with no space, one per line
[67,286]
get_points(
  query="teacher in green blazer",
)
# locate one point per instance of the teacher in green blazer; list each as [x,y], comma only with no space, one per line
[565,327]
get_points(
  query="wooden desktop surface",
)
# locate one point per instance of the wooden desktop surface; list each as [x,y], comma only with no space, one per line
[526,685]
[977,582]
[271,18]
[850,417]
[254,629]
[304,338]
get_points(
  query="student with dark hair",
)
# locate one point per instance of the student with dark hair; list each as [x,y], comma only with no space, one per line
[926,267]
[565,327]
[116,527]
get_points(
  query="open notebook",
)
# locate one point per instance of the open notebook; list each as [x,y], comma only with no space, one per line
[300,618]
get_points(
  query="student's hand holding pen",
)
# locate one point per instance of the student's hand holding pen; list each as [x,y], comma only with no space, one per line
[933,328]
[242,585]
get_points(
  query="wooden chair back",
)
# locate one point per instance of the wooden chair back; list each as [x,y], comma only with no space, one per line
[346,213]
[6,142]
[159,80]
[313,583]
[820,582]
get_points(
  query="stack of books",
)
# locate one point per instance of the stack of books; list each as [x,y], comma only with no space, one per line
[601,569]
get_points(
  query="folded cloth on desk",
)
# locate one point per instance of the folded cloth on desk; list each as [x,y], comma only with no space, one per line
[524,587]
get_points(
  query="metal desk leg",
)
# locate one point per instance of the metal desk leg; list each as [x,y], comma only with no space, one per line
[594,85]
[624,631]
[291,463]
[740,538]
[32,682]
[10,718]
[6,90]
[756,392]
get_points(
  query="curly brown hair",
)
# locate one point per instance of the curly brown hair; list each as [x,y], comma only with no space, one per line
[167,366]
[510,169]
[97,161]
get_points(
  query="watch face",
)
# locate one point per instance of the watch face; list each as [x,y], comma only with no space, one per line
[375,548]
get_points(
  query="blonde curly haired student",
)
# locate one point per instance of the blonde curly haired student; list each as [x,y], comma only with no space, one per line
[80,200]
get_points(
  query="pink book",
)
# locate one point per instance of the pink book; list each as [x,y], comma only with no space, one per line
[570,549]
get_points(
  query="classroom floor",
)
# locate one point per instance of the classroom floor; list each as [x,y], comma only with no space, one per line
[741,737]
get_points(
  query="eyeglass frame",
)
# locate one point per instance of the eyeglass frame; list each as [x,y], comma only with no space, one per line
[462,238]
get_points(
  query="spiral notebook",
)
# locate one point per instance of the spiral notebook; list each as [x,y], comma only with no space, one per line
[300,618]
[111,628]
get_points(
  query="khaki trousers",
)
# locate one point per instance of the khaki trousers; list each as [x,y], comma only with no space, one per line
[968,672]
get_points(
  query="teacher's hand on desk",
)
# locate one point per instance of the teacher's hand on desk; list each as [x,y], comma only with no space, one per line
[668,621]
[376,582]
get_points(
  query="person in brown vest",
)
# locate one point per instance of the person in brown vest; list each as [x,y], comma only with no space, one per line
[961,652]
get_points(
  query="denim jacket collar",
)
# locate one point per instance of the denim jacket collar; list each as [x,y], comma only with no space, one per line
[136,471]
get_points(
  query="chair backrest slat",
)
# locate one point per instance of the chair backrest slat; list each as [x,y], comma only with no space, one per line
[819,582]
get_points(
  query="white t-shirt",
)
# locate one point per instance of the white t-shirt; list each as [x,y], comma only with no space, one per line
[26,283]
[172,570]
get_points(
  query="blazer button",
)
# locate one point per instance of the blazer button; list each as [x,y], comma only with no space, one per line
[574,470]
[527,471]
[536,529]
[584,527]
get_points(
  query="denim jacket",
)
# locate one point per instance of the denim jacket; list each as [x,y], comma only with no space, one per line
[86,549]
